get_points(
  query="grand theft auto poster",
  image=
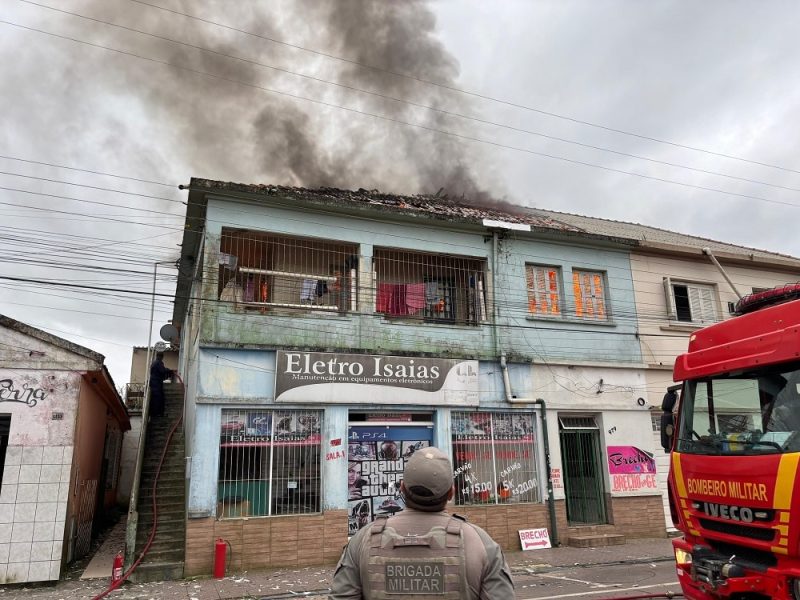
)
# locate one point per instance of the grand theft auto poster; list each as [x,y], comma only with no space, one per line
[376,459]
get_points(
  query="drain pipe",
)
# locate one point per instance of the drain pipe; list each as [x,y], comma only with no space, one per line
[710,255]
[551,500]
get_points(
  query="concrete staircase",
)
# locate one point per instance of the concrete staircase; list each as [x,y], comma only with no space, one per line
[594,536]
[164,560]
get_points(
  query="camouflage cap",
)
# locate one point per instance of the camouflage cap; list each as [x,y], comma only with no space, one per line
[427,479]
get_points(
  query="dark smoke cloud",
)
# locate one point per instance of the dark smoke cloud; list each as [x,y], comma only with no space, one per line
[225,130]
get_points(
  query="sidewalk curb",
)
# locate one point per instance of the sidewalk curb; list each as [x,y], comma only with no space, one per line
[547,568]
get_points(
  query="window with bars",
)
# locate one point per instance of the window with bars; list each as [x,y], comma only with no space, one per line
[544,290]
[494,457]
[264,272]
[269,463]
[590,295]
[430,287]
[690,302]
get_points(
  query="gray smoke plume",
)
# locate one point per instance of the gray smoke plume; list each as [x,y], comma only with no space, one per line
[228,130]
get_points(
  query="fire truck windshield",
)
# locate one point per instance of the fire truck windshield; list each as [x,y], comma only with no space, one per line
[749,413]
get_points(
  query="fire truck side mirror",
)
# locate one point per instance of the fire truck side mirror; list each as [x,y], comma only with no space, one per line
[667,431]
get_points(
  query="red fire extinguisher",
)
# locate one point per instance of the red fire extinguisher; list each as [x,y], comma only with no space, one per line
[220,552]
[116,570]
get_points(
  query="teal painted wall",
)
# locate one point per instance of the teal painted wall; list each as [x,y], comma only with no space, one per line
[523,338]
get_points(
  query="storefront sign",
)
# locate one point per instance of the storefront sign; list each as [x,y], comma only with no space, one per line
[360,378]
[534,539]
[629,459]
[632,469]
[399,417]
[555,477]
[265,428]
[633,482]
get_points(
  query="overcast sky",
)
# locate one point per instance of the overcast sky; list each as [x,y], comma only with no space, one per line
[218,96]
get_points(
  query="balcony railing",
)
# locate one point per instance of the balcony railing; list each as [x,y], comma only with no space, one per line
[430,287]
[264,272]
[134,396]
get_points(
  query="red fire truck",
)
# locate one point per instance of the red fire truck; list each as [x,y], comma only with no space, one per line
[734,486]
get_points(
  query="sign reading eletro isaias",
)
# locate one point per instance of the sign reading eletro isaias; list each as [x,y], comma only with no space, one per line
[364,378]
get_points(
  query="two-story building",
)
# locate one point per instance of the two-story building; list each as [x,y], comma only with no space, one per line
[682,283]
[328,334]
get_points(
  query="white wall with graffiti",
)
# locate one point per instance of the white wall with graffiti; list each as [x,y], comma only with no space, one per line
[39,391]
[40,409]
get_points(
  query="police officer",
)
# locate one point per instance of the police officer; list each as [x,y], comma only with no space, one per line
[422,551]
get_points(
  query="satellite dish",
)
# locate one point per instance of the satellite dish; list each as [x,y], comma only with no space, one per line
[169,333]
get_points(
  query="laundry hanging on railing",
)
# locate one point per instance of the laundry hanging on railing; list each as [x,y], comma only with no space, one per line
[308,290]
[398,299]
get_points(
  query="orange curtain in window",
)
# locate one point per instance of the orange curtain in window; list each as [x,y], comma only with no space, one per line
[586,288]
[555,304]
[530,275]
[576,290]
[599,297]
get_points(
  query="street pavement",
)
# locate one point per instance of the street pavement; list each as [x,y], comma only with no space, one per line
[565,572]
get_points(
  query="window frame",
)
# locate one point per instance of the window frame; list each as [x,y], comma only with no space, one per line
[600,303]
[449,289]
[547,275]
[252,448]
[700,288]
[276,273]
[506,479]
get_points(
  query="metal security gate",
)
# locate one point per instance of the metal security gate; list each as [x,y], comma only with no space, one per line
[583,477]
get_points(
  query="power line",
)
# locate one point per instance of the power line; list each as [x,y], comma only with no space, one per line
[98,217]
[105,174]
[409,102]
[459,90]
[94,187]
[399,121]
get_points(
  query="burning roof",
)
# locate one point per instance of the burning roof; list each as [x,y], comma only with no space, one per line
[437,206]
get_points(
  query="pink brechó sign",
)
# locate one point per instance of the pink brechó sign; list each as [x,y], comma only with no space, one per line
[629,459]
[533,539]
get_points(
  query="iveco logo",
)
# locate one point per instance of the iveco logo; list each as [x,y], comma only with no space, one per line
[724,511]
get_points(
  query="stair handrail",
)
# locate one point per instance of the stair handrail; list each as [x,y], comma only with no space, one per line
[129,569]
[132,524]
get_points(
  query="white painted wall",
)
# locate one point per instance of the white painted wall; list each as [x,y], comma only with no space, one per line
[130,450]
[39,387]
[36,472]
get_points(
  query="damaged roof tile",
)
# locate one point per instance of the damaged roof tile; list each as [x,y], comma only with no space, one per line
[431,205]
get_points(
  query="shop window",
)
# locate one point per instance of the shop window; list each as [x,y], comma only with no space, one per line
[269,463]
[494,457]
[544,290]
[435,288]
[590,295]
[265,273]
[690,302]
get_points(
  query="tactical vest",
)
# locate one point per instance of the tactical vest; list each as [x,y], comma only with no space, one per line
[429,566]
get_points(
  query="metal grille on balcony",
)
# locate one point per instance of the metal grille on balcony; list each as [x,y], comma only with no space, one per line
[429,287]
[263,272]
[269,463]
[134,396]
